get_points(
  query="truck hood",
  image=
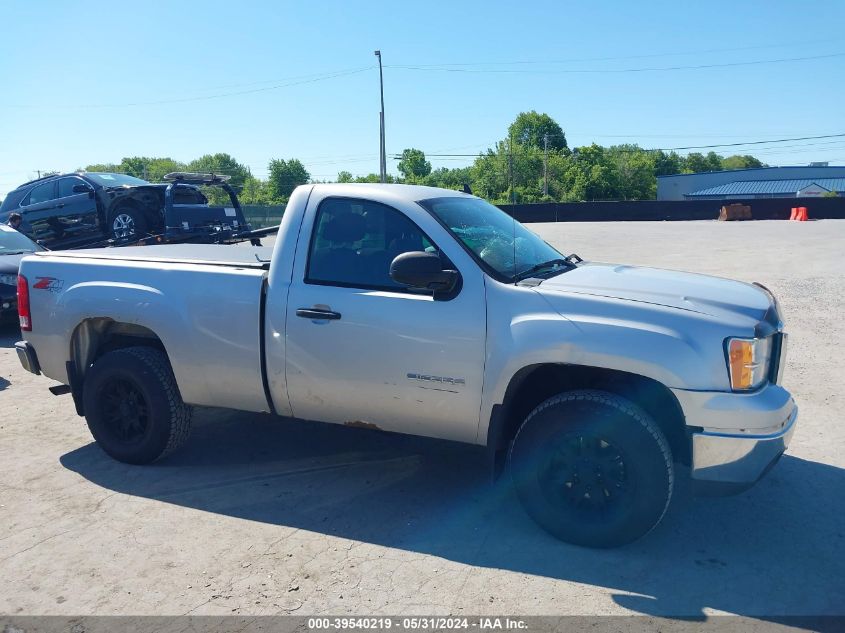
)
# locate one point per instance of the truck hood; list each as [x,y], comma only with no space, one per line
[703,294]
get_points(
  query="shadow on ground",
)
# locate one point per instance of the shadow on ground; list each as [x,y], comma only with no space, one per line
[776,550]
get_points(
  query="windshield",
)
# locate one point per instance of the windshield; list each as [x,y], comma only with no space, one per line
[13,242]
[500,243]
[115,180]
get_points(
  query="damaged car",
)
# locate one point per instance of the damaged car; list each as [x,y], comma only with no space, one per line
[112,209]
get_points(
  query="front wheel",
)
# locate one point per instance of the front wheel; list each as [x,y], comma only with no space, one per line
[592,468]
[127,222]
[133,406]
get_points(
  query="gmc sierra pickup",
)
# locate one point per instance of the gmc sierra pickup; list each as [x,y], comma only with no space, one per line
[429,312]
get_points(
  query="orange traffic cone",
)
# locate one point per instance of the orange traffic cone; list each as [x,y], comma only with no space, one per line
[794,214]
[802,214]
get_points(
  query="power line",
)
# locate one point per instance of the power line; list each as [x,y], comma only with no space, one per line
[673,149]
[781,140]
[613,70]
[314,79]
[627,57]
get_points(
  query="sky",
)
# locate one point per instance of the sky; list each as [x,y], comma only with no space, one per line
[92,82]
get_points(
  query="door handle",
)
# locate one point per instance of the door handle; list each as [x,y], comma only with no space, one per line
[318,314]
[60,205]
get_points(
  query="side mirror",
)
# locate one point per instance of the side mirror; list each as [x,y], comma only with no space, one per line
[419,269]
[81,188]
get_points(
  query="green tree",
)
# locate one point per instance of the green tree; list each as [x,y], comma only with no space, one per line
[103,168]
[413,165]
[152,169]
[667,164]
[285,176]
[158,168]
[695,162]
[490,174]
[530,128]
[373,178]
[714,162]
[134,166]
[447,178]
[740,162]
[256,191]
[345,176]
[635,170]
[221,164]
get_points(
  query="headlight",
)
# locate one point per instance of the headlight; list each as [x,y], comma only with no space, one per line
[748,361]
[9,280]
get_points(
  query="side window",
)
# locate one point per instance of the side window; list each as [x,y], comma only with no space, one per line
[66,186]
[355,241]
[42,193]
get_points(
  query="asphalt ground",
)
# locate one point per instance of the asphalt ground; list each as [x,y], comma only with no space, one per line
[258,515]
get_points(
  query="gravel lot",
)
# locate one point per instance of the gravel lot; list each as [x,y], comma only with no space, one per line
[263,516]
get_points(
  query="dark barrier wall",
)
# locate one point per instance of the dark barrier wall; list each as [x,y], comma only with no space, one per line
[643,210]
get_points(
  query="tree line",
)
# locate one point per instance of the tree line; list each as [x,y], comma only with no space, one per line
[533,163]
[283,175]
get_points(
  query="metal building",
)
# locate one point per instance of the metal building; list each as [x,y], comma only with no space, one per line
[762,182]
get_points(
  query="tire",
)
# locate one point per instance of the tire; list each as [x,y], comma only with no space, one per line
[133,407]
[127,222]
[592,468]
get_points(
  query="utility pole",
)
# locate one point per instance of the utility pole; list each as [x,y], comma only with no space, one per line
[382,156]
[510,168]
[546,164]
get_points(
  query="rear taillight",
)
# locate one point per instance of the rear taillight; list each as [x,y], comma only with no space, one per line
[23,304]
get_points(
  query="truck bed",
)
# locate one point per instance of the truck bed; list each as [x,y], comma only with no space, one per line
[202,301]
[208,254]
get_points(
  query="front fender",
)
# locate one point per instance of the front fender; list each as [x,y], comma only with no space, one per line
[675,348]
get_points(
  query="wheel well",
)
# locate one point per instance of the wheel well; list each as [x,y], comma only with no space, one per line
[150,213]
[94,337]
[122,204]
[536,383]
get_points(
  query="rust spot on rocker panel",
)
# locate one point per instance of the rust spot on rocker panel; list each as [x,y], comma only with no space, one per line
[360,424]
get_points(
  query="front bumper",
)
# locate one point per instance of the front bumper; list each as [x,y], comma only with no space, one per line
[741,436]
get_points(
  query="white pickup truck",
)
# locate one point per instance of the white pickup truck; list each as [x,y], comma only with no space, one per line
[429,312]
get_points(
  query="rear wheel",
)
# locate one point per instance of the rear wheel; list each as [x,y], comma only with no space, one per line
[592,468]
[127,222]
[133,406]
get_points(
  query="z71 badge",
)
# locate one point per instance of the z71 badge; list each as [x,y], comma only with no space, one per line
[48,283]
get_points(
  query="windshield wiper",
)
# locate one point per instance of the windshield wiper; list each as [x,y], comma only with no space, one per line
[569,260]
[14,252]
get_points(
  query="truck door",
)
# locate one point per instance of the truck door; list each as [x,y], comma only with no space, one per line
[363,350]
[38,210]
[77,210]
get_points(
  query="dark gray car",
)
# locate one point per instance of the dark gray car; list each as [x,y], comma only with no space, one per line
[13,246]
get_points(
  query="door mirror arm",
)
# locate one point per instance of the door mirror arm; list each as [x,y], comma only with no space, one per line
[81,188]
[424,271]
